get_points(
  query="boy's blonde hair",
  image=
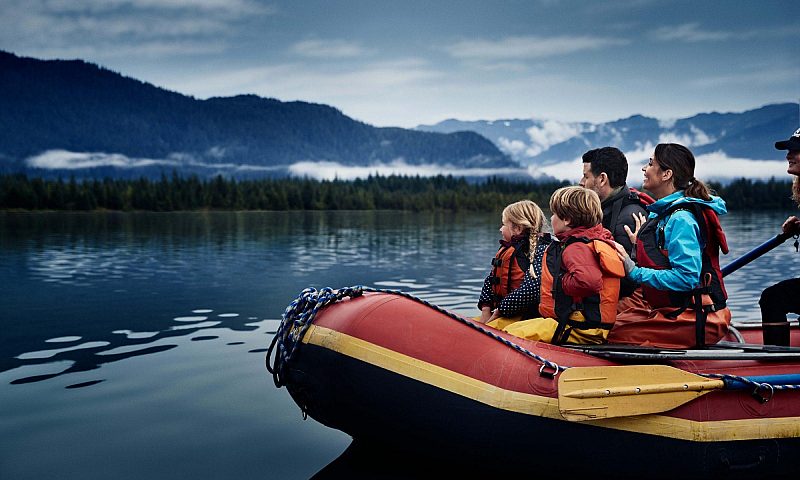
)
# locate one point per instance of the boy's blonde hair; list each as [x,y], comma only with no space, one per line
[581,206]
[530,217]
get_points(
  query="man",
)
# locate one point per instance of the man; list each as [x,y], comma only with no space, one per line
[604,171]
[782,298]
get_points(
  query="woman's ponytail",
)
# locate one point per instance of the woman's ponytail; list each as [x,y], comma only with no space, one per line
[697,189]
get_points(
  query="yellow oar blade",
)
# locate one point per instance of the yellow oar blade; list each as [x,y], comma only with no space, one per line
[589,393]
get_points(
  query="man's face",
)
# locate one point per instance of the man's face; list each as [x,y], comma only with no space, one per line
[590,181]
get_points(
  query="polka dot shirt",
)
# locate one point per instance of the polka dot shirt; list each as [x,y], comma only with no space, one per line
[521,299]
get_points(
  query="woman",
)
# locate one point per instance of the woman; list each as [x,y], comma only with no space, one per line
[779,299]
[677,259]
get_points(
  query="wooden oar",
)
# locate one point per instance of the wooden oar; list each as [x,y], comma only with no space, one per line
[589,393]
[755,253]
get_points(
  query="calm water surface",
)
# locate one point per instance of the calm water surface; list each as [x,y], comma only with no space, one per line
[133,345]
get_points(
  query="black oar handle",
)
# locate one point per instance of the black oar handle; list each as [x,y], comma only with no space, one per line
[755,253]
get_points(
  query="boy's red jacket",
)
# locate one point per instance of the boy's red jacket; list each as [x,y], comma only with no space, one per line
[582,273]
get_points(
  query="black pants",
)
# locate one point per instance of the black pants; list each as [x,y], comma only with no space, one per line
[776,301]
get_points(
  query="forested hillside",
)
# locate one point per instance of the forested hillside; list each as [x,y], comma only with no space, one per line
[79,107]
[395,193]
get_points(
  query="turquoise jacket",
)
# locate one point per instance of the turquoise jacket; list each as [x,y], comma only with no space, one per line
[682,241]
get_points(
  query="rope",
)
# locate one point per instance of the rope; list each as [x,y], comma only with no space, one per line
[297,318]
[758,387]
[300,314]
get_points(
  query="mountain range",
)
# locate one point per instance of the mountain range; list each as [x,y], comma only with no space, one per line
[746,135]
[61,117]
[74,116]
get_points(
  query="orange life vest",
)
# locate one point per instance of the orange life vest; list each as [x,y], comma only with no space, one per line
[595,311]
[508,267]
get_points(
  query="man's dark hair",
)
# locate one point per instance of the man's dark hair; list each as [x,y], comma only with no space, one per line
[609,160]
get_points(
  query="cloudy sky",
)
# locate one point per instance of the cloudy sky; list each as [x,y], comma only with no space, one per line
[407,62]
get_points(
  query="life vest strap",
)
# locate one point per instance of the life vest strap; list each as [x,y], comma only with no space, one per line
[587,324]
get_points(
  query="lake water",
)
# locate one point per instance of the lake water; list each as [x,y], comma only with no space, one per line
[133,344]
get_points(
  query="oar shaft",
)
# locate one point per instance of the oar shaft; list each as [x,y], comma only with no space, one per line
[618,391]
[732,383]
[754,253]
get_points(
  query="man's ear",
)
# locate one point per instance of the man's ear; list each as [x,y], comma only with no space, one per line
[603,178]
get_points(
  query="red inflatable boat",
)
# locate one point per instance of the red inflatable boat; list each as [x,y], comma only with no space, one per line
[386,367]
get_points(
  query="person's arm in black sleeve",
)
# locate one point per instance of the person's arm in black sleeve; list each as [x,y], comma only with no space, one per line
[626,218]
[485,302]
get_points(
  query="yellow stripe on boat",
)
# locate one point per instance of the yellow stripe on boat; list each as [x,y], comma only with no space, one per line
[541,406]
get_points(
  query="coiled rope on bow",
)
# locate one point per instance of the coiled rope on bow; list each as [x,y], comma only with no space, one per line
[300,314]
[297,318]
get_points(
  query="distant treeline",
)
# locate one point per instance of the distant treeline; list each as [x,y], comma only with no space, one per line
[392,193]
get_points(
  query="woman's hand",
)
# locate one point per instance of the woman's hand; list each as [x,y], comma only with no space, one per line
[623,255]
[639,219]
[791,226]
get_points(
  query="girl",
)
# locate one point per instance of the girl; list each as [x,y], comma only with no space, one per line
[517,262]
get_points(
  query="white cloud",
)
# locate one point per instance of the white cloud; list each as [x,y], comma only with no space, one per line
[696,138]
[690,32]
[667,122]
[512,147]
[715,166]
[311,82]
[63,159]
[529,46]
[122,28]
[719,166]
[219,7]
[761,78]
[66,160]
[549,133]
[332,170]
[329,49]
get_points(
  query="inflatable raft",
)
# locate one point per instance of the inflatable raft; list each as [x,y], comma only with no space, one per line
[386,367]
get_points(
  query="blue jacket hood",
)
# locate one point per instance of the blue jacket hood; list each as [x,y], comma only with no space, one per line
[716,203]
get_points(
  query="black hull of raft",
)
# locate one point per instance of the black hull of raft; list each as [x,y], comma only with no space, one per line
[421,424]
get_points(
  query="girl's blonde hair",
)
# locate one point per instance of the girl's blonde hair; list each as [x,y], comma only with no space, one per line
[581,206]
[796,190]
[527,215]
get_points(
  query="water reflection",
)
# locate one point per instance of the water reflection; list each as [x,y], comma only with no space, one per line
[130,305]
[134,267]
